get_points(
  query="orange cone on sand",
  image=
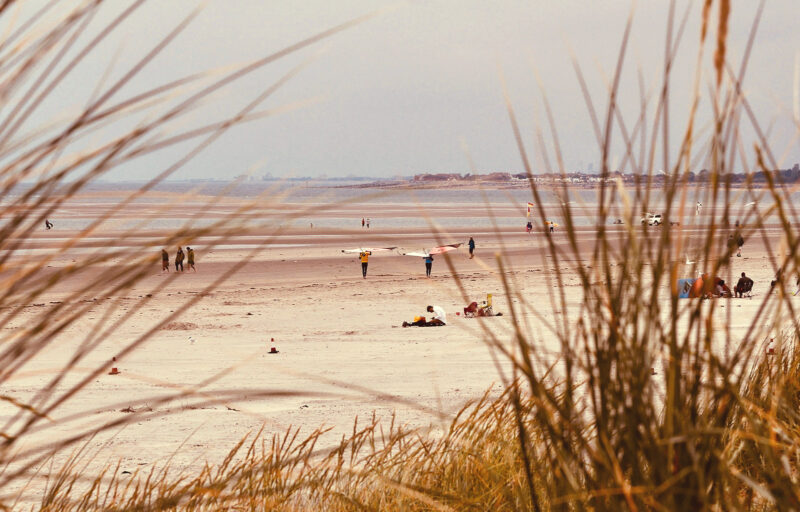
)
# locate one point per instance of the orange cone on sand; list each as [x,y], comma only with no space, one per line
[114,370]
[273,350]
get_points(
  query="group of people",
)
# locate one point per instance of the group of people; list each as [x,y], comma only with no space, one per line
[439,318]
[179,257]
[718,288]
[363,257]
[365,222]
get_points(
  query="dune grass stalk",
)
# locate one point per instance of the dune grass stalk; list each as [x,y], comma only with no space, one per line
[650,404]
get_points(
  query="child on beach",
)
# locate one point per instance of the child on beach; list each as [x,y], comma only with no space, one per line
[164,260]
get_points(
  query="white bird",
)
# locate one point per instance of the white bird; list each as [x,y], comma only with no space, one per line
[752,203]
[191,340]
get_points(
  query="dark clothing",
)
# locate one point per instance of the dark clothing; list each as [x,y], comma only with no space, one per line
[428,265]
[423,323]
[364,268]
[744,285]
[179,260]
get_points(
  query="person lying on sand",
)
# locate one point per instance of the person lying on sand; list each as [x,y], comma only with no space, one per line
[439,318]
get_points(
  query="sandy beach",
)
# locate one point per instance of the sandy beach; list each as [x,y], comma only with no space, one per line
[342,353]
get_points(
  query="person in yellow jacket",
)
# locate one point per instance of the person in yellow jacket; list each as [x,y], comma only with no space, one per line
[364,256]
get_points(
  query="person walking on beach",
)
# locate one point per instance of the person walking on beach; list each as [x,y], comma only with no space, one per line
[471,245]
[428,264]
[190,258]
[179,260]
[739,243]
[164,260]
[47,224]
[362,222]
[367,222]
[529,227]
[364,256]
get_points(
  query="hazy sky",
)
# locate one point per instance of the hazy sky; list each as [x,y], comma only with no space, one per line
[407,91]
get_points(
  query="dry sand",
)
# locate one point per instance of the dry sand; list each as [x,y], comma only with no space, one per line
[342,352]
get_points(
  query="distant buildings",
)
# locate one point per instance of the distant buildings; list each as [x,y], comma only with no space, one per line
[782,176]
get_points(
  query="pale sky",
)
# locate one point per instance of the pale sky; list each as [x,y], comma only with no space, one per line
[407,91]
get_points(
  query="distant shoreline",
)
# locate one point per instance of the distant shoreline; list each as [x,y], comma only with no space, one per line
[515,185]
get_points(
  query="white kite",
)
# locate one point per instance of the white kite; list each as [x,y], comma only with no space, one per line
[369,249]
[435,250]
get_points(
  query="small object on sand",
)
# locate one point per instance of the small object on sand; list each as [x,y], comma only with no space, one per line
[273,350]
[114,371]
[652,370]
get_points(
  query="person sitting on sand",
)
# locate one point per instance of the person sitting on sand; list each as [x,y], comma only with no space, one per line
[190,258]
[179,259]
[164,260]
[48,224]
[722,290]
[473,310]
[439,318]
[744,285]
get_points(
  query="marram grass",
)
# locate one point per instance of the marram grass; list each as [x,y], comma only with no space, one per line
[712,430]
